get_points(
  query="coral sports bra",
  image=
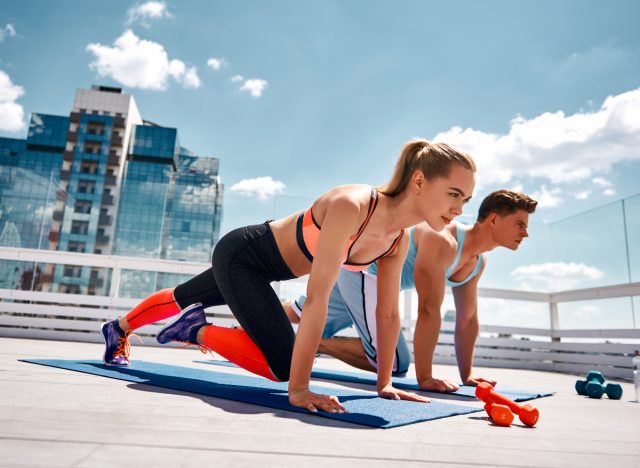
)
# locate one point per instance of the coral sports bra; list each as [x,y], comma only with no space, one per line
[308,233]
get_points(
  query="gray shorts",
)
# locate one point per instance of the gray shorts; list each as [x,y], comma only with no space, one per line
[353,301]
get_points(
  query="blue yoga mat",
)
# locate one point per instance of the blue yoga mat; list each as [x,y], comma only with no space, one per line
[363,408]
[405,383]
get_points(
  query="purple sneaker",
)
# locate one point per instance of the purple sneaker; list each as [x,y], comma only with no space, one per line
[185,328]
[116,340]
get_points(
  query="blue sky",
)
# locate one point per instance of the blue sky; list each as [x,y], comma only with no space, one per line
[545,95]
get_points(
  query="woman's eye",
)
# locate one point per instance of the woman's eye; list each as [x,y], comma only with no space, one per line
[455,195]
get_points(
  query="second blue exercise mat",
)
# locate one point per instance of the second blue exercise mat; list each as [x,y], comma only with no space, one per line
[405,383]
[364,408]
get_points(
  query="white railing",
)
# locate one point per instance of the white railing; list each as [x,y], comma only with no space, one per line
[75,317]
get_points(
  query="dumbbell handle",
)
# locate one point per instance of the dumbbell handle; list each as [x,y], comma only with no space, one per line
[490,395]
[527,413]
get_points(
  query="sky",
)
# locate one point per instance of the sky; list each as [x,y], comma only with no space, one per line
[296,97]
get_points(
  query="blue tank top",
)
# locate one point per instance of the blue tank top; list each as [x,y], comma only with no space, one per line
[461,231]
[407,280]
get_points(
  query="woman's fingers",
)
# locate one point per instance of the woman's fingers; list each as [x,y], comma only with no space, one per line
[314,402]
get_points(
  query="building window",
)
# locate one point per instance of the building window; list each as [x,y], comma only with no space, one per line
[76,246]
[70,288]
[79,227]
[82,206]
[95,128]
[72,271]
[92,147]
[86,186]
[89,167]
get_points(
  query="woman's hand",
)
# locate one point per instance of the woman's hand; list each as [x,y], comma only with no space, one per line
[394,394]
[438,385]
[305,398]
[474,381]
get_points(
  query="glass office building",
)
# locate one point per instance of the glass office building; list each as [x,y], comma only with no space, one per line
[104,181]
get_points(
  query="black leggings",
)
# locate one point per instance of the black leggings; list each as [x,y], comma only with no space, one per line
[245,261]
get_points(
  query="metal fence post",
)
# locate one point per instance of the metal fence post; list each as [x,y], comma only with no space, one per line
[554,320]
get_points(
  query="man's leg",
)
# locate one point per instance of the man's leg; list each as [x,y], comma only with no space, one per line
[338,317]
[348,350]
[360,293]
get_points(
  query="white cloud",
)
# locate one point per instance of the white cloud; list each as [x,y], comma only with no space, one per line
[263,187]
[583,195]
[586,313]
[255,87]
[609,192]
[7,31]
[139,63]
[547,198]
[556,275]
[555,146]
[236,78]
[11,113]
[215,63]
[517,187]
[191,78]
[601,182]
[149,10]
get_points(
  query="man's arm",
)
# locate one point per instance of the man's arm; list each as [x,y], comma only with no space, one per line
[467,328]
[434,254]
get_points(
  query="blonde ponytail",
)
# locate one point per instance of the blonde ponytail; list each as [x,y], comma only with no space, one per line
[432,159]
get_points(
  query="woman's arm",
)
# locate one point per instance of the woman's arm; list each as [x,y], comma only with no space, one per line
[388,321]
[340,222]
[435,253]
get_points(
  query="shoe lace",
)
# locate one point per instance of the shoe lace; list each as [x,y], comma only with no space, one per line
[124,347]
[187,344]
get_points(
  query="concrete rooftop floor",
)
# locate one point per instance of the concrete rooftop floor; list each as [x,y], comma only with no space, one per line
[54,417]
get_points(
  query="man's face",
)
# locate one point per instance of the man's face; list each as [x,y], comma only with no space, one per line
[510,230]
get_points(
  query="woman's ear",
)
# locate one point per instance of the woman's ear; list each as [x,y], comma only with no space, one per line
[418,181]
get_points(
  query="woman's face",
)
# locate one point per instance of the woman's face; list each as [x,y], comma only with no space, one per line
[442,199]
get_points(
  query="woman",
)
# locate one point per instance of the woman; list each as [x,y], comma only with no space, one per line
[350,226]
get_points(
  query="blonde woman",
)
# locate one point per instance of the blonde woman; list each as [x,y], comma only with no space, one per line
[349,226]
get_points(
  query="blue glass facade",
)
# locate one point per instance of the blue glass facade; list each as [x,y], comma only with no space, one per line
[103,181]
[154,143]
[29,187]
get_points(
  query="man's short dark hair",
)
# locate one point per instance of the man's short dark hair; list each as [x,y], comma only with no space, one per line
[505,202]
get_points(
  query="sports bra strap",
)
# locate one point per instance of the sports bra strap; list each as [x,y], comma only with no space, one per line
[373,203]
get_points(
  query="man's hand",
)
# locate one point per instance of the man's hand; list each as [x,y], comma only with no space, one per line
[438,385]
[474,381]
[394,394]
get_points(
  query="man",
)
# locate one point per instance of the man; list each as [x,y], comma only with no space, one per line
[451,257]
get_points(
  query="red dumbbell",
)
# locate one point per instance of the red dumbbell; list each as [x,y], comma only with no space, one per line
[501,415]
[527,413]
